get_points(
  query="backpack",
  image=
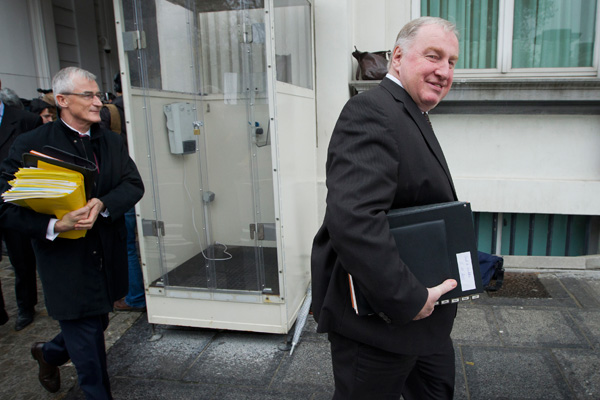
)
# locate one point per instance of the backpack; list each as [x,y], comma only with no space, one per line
[115,118]
[492,269]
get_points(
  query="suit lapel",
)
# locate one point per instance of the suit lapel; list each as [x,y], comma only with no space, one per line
[426,130]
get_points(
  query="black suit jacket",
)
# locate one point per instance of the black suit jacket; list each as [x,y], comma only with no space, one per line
[81,277]
[383,155]
[14,122]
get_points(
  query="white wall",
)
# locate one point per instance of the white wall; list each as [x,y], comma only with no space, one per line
[24,64]
[333,45]
[524,163]
[500,163]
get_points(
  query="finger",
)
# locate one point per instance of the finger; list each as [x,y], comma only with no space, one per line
[83,211]
[445,286]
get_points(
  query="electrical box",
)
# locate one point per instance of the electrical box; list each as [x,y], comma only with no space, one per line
[180,125]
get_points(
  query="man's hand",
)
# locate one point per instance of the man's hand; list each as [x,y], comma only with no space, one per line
[434,294]
[81,219]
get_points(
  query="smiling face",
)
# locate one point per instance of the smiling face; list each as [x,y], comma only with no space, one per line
[77,111]
[426,67]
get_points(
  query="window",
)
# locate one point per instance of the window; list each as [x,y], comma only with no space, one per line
[293,42]
[522,37]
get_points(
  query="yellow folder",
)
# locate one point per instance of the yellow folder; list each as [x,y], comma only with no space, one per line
[49,189]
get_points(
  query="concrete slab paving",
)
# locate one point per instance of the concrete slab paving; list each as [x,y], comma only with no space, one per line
[168,358]
[513,373]
[155,389]
[475,324]
[238,358]
[308,368]
[581,369]
[589,324]
[506,348]
[538,328]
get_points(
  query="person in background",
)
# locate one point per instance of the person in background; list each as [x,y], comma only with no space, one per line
[44,110]
[49,98]
[13,122]
[384,155]
[136,298]
[10,98]
[82,278]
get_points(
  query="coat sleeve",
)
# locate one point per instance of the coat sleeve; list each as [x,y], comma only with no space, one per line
[128,187]
[12,216]
[362,182]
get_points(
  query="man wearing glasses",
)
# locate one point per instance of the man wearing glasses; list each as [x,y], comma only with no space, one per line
[81,277]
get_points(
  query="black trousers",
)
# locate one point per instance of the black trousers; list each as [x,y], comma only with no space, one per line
[3,314]
[82,341]
[20,253]
[364,372]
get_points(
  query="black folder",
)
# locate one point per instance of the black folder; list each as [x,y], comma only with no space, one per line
[436,242]
[67,160]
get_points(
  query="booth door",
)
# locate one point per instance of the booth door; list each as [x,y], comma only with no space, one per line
[195,84]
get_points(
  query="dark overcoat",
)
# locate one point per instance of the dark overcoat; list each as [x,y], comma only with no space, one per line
[81,277]
[15,122]
[383,155]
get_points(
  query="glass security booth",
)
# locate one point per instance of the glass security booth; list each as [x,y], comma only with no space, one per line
[220,110]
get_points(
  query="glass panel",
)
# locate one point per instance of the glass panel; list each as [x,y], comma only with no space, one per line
[200,87]
[553,33]
[293,42]
[223,34]
[477,22]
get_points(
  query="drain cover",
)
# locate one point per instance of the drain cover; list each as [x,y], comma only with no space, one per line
[522,285]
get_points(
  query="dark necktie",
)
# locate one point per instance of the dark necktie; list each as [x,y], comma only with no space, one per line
[426,115]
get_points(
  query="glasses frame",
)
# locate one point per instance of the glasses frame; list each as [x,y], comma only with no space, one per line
[87,95]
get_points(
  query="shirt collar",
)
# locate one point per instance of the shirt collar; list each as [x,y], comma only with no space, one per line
[397,81]
[73,129]
[394,79]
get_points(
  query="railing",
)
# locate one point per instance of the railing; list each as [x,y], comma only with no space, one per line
[537,234]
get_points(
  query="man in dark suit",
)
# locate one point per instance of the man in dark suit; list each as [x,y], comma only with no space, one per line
[14,122]
[81,277]
[384,155]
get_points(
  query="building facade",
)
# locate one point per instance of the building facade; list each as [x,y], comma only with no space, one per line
[520,128]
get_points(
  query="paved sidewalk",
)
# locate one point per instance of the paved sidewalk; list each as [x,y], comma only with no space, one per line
[506,348]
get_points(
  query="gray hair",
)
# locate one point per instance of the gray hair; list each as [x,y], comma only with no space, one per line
[10,98]
[407,34]
[63,80]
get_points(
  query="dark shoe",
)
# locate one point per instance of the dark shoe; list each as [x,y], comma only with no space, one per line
[23,319]
[121,305]
[49,375]
[3,317]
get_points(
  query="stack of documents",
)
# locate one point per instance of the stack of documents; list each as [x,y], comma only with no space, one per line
[48,189]
[436,242]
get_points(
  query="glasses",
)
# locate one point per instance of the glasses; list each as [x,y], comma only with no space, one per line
[88,95]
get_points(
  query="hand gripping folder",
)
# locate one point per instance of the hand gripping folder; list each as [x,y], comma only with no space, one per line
[436,242]
[57,160]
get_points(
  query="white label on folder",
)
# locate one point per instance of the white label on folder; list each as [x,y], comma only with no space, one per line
[465,269]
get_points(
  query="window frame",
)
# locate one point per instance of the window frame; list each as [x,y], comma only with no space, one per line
[504,51]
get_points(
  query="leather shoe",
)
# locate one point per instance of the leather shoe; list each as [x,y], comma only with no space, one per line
[49,375]
[121,305]
[23,320]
